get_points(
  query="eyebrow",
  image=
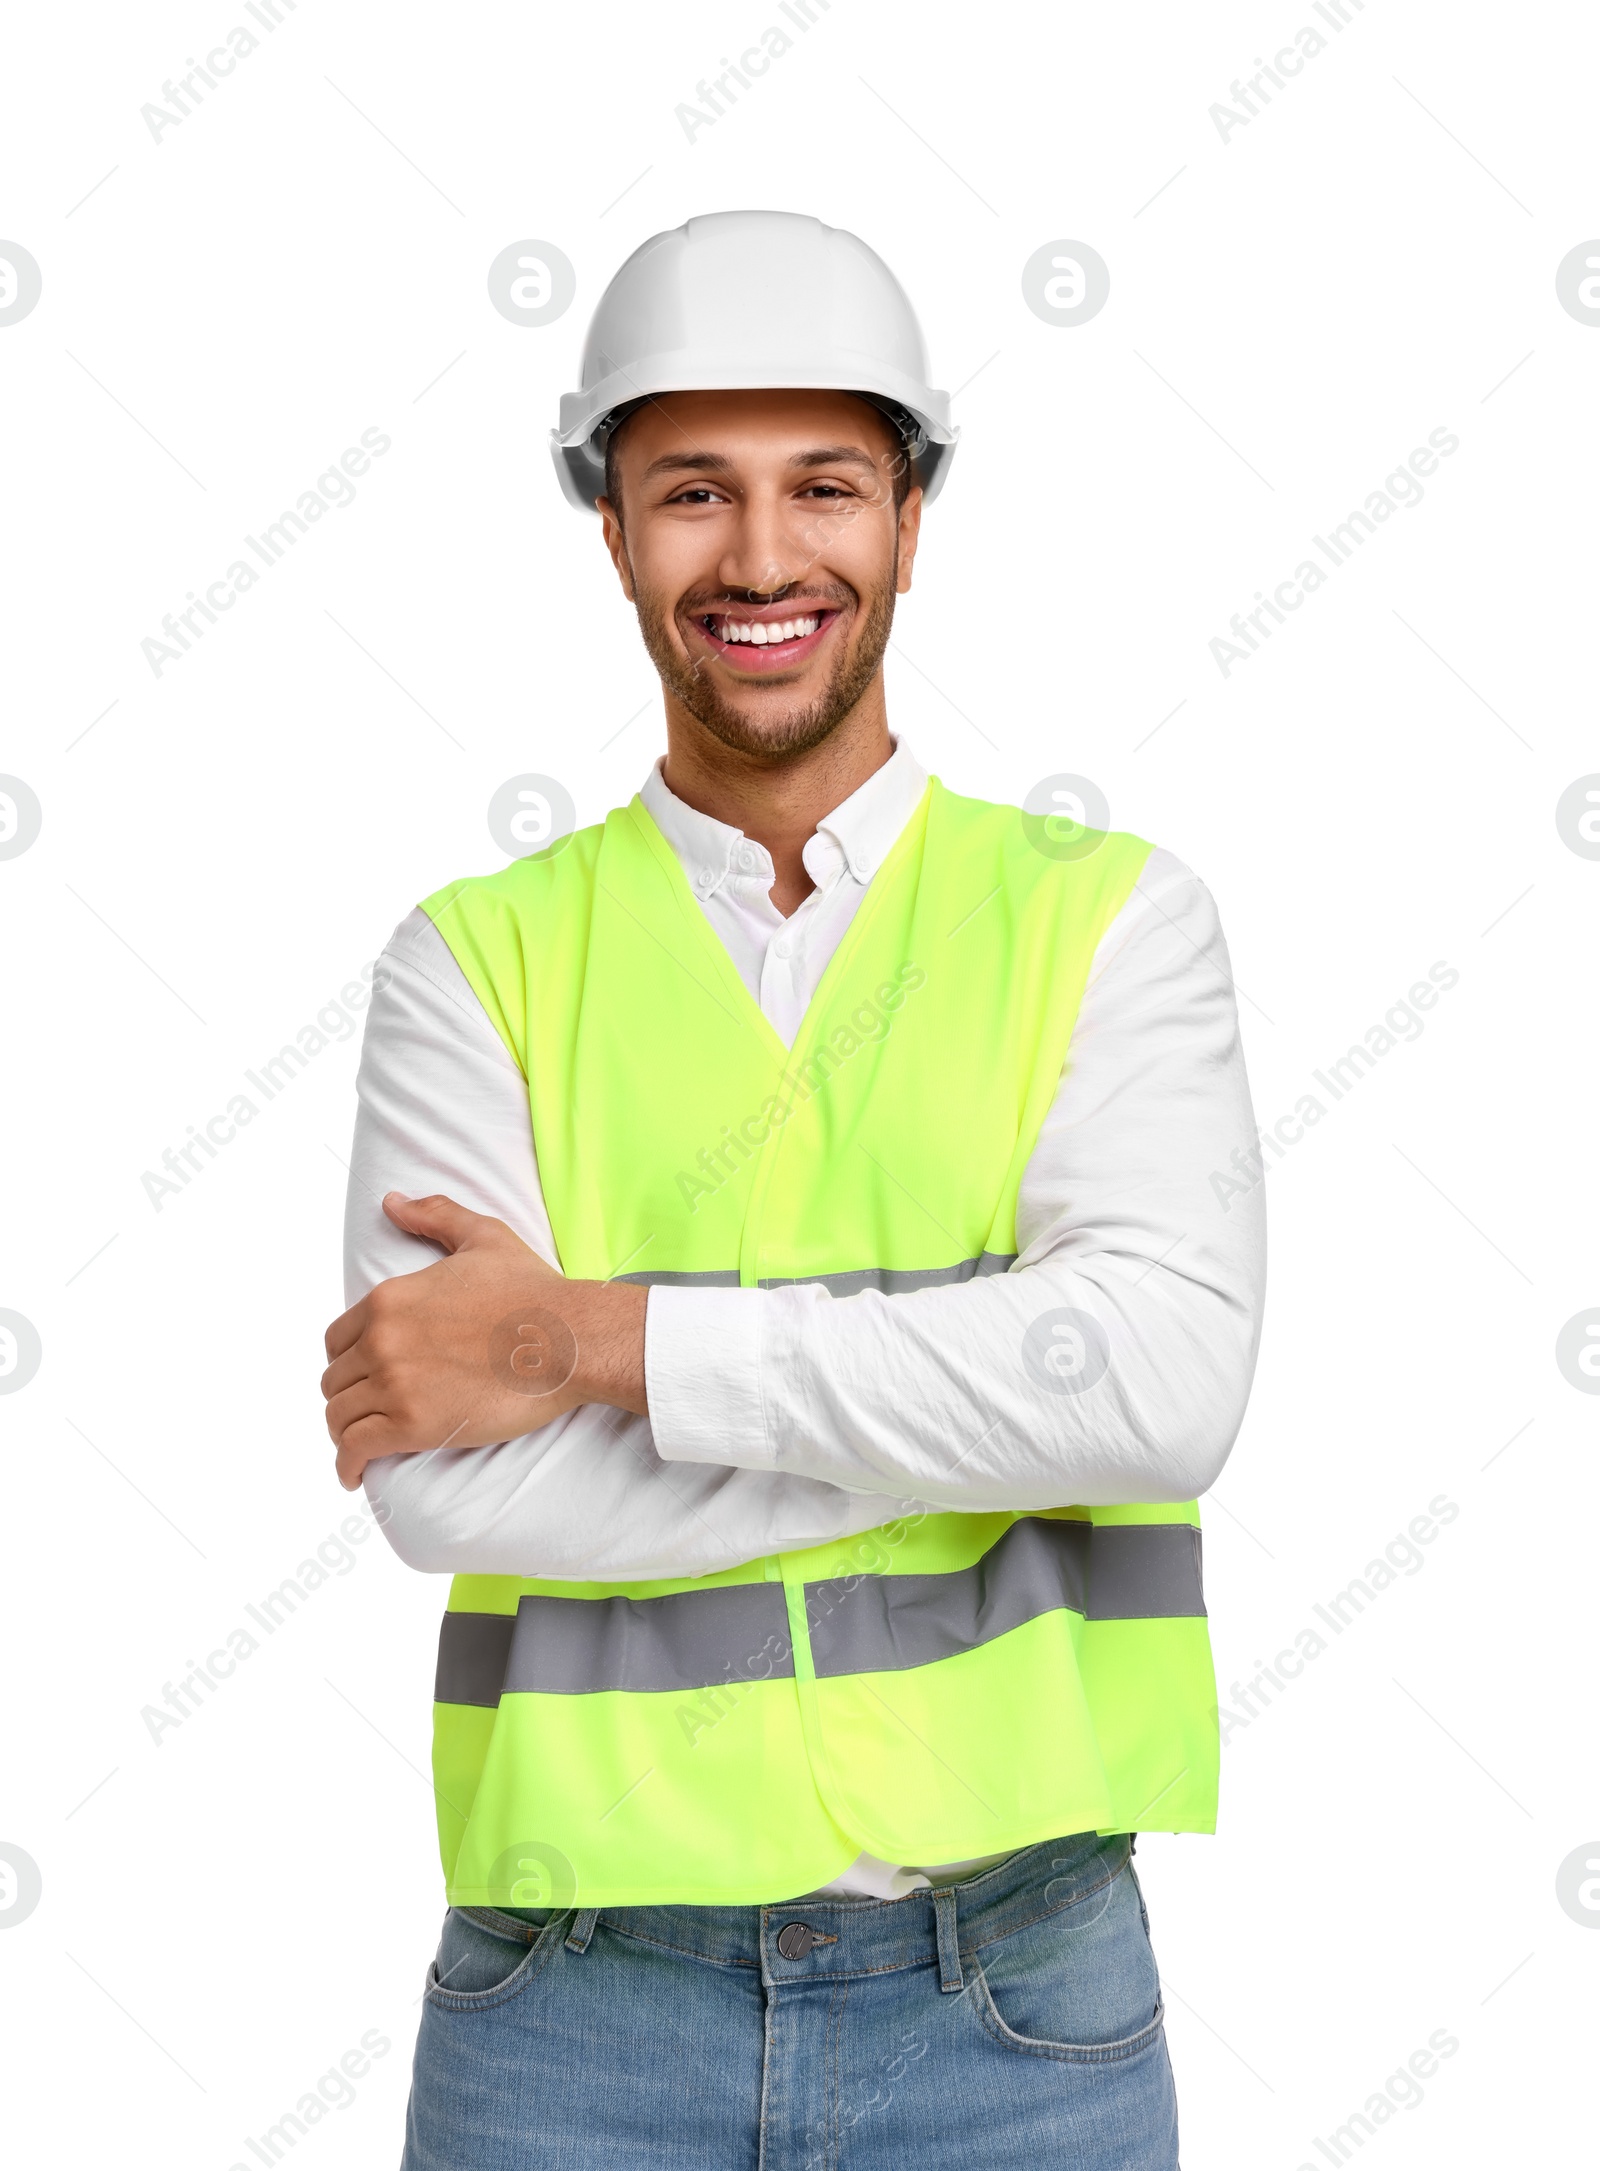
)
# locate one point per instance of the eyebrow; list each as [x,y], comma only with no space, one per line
[717,463]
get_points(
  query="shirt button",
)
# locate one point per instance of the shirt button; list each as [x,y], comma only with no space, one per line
[782,946]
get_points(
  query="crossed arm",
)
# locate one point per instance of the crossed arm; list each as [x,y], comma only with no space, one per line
[683,1430]
[415,1365]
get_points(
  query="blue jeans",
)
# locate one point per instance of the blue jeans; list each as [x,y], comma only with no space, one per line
[1013,2020]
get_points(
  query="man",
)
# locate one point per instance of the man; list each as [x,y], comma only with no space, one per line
[815,1336]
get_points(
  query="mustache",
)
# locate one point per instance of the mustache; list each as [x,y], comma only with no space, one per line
[830,596]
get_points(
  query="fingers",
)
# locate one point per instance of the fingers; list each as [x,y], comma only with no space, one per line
[345,1370]
[345,1331]
[369,1437]
[377,1411]
[357,1403]
[441,1220]
[362,1443]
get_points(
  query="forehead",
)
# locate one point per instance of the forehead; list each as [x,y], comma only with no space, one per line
[752,427]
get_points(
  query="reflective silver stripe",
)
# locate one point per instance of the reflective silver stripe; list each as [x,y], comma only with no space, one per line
[1145,1572]
[891,1280]
[896,1281]
[473,1649]
[1124,1571]
[574,1646]
[859,1624]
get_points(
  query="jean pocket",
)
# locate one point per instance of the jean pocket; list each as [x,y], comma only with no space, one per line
[480,1965]
[1038,2046]
[1079,1983]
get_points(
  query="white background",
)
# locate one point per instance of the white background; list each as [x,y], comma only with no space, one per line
[1371,258]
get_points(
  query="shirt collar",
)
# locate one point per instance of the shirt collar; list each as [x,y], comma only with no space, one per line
[864,826]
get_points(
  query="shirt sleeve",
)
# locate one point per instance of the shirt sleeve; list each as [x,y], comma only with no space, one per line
[1112,1362]
[443,1107]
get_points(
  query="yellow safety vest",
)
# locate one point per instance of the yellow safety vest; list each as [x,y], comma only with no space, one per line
[947,1685]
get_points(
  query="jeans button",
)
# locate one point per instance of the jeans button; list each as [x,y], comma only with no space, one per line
[796,1939]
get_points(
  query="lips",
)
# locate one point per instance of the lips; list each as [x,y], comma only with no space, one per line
[758,642]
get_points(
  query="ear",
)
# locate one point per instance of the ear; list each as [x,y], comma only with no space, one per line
[611,528]
[910,528]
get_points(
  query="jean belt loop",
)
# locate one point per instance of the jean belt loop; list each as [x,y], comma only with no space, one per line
[582,1929]
[944,1916]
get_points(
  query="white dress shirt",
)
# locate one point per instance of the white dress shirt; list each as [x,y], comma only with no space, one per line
[786,1418]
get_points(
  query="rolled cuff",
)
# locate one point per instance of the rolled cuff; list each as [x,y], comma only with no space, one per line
[702,1365]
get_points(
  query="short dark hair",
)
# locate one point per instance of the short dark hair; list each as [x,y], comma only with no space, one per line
[897,418]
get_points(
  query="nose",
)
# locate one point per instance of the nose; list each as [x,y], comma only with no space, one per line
[768,550]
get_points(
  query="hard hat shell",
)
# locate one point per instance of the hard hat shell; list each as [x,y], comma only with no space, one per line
[746,301]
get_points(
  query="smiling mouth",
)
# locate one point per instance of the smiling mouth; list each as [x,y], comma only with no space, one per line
[764,644]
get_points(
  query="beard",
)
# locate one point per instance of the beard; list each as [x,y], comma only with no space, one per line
[777,731]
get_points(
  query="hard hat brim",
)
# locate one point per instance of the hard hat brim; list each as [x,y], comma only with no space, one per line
[577,448]
[581,470]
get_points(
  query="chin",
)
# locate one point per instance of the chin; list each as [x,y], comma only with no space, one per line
[769,731]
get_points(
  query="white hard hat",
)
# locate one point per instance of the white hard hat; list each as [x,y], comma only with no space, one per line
[746,301]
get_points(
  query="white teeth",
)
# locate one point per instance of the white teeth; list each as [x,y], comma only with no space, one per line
[761,633]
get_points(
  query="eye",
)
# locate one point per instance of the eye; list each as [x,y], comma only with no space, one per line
[695,493]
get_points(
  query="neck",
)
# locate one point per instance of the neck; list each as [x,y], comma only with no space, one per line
[777,800]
